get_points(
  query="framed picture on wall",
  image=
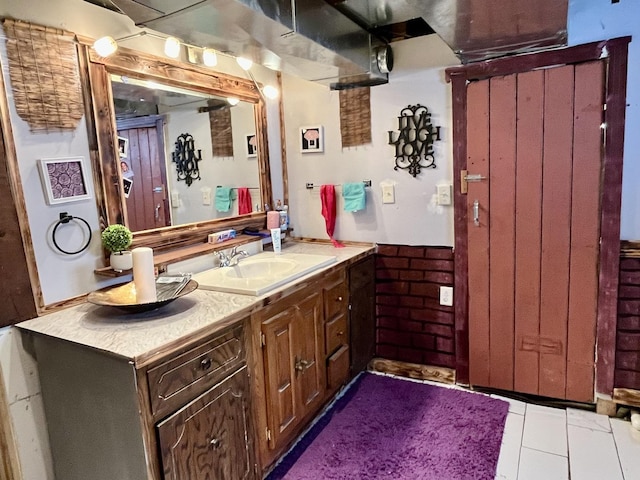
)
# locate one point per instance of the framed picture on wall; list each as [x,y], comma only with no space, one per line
[252,145]
[127,183]
[123,146]
[311,139]
[63,179]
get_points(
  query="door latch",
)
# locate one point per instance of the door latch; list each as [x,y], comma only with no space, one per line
[466,177]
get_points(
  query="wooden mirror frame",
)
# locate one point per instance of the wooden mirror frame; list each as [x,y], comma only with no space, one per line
[103,138]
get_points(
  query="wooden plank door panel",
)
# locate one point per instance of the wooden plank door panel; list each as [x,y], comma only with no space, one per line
[528,219]
[533,255]
[502,141]
[310,341]
[478,235]
[583,284]
[556,229]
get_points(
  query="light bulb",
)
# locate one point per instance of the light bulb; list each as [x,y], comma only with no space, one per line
[209,57]
[105,46]
[244,63]
[270,92]
[233,100]
[172,47]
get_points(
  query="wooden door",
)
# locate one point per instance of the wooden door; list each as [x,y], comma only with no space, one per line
[535,140]
[309,358]
[211,436]
[143,164]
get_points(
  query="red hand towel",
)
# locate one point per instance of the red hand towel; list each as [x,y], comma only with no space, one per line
[328,199]
[244,201]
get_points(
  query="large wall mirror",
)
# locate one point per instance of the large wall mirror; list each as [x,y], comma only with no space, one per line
[149,114]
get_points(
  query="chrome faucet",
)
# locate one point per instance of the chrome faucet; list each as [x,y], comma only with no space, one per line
[236,255]
[232,259]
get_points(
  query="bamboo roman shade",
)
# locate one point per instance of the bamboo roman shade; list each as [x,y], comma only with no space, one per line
[43,68]
[355,116]
[221,134]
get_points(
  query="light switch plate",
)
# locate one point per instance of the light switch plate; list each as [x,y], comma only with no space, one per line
[206,196]
[444,194]
[446,296]
[175,199]
[388,194]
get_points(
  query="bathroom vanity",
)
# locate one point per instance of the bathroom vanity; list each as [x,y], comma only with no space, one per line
[213,385]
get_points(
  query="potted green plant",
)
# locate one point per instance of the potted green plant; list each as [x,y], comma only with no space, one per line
[116,239]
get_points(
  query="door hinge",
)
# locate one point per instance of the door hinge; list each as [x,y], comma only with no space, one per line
[263,340]
[267,433]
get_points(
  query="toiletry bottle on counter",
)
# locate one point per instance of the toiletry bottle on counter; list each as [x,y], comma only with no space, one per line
[284,218]
[273,219]
[276,240]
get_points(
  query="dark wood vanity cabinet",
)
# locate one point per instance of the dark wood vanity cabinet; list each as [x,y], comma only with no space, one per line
[362,313]
[210,436]
[187,415]
[302,360]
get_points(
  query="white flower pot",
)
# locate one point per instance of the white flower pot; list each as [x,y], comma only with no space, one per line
[121,261]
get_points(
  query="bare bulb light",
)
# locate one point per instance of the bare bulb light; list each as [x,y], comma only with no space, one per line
[209,57]
[270,92]
[172,47]
[233,100]
[105,46]
[244,63]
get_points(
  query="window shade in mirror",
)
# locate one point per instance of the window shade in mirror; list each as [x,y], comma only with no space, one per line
[221,133]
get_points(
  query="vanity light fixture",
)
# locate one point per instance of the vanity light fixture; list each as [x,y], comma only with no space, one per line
[209,57]
[105,46]
[172,47]
[244,63]
[270,92]
[233,100]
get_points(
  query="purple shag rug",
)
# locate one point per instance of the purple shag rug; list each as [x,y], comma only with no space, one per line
[388,428]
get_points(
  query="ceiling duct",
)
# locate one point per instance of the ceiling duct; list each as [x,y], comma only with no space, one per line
[306,38]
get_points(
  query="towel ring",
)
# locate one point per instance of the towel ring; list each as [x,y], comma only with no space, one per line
[65,218]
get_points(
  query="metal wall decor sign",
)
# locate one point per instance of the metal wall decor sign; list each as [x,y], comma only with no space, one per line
[186,159]
[414,141]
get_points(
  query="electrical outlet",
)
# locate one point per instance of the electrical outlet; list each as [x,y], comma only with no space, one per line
[388,194]
[446,296]
[444,194]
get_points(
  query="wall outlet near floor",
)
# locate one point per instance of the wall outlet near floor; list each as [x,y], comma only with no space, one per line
[446,296]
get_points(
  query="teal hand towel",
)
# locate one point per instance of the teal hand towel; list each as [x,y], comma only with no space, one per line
[354,196]
[223,198]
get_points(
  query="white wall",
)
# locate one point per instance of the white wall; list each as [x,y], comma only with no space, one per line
[593,20]
[414,218]
[236,171]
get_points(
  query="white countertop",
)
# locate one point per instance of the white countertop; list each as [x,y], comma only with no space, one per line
[140,336]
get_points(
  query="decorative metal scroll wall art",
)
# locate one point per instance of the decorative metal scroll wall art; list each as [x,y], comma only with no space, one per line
[414,143]
[186,159]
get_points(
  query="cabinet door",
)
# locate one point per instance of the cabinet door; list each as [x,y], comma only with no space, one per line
[362,315]
[211,437]
[309,360]
[293,367]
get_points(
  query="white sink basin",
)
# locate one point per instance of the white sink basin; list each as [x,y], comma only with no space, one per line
[261,273]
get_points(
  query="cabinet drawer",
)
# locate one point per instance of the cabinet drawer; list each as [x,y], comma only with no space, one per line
[176,381]
[335,333]
[338,368]
[336,299]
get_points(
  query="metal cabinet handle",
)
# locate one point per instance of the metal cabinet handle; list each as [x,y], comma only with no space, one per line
[339,298]
[205,364]
[215,442]
[157,212]
[300,365]
[476,213]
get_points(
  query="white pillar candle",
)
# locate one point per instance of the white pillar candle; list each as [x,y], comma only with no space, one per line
[144,275]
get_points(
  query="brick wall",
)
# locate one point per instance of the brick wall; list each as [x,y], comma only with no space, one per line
[412,326]
[627,372]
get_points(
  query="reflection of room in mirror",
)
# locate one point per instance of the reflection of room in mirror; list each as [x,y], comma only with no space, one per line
[192,113]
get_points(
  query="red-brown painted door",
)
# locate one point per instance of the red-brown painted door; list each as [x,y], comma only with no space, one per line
[144,166]
[533,229]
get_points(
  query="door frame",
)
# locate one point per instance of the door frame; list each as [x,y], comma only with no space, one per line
[615,51]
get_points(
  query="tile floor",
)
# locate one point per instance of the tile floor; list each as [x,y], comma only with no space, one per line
[544,443]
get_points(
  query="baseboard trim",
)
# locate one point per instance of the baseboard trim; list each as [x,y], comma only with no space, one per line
[413,370]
